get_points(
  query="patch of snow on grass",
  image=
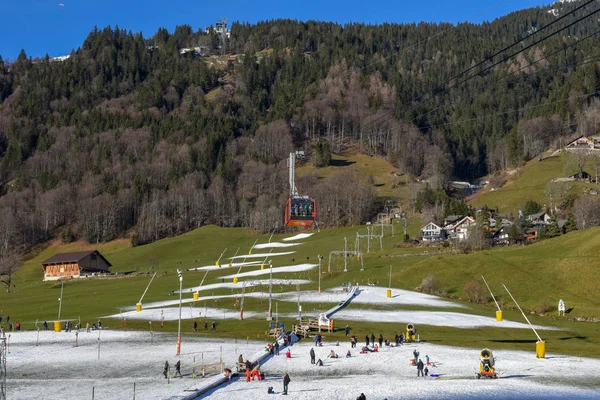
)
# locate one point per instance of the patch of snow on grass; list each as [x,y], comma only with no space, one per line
[275,244]
[263,255]
[299,236]
[277,270]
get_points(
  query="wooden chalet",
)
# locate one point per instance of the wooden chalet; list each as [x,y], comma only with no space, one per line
[75,265]
[541,218]
[580,143]
[460,230]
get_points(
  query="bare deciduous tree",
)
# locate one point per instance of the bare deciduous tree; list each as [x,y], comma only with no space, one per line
[557,193]
[586,211]
[9,263]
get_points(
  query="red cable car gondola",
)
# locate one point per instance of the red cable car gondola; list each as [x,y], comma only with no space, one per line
[299,210]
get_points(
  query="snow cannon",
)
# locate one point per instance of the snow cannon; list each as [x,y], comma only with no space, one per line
[487,368]
[411,333]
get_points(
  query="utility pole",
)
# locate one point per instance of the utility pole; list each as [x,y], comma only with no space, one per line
[345,255]
[270,316]
[299,306]
[62,284]
[180,298]
[320,259]
[3,367]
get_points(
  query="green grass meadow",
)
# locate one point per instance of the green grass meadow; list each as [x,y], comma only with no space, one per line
[529,183]
[565,267]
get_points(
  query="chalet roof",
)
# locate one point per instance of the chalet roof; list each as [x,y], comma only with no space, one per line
[536,215]
[452,218]
[431,223]
[502,231]
[74,257]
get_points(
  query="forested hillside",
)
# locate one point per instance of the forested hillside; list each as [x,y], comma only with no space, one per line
[128,133]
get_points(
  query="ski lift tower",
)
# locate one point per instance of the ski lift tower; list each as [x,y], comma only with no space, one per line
[299,210]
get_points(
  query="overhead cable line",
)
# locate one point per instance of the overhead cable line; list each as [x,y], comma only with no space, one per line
[519,41]
[389,114]
[405,49]
[494,83]
[520,109]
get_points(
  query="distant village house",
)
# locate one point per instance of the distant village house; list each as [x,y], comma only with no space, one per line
[581,142]
[75,265]
[431,232]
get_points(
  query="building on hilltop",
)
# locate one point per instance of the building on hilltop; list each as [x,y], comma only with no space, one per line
[220,28]
[75,265]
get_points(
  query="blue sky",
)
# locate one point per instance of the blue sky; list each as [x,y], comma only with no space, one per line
[42,26]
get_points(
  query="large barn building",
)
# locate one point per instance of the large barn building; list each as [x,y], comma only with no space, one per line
[75,265]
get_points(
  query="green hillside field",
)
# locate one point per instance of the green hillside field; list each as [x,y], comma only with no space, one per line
[563,267]
[529,183]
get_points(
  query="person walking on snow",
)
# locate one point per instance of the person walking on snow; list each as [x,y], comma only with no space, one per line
[312,355]
[367,340]
[286,382]
[178,369]
[380,339]
[372,338]
[427,360]
[166,370]
[420,368]
[276,347]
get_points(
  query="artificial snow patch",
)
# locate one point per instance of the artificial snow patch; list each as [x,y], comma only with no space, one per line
[298,237]
[223,266]
[275,244]
[262,255]
[435,318]
[376,295]
[277,270]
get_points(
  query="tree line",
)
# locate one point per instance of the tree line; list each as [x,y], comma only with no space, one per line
[128,135]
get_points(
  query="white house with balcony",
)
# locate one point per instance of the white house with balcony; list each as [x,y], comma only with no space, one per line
[431,232]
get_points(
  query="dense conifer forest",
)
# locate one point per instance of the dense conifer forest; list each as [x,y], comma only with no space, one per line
[128,136]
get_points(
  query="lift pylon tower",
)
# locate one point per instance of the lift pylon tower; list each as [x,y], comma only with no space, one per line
[369,236]
[345,254]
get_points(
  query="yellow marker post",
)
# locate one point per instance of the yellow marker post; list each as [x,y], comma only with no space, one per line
[540,349]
